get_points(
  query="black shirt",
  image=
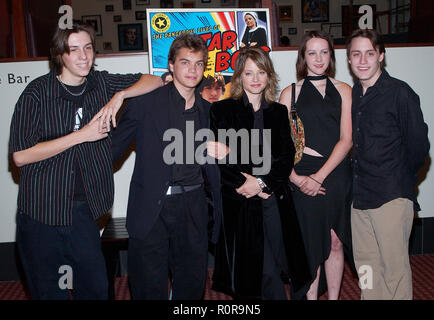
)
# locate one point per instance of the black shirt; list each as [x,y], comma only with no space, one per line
[79,192]
[187,172]
[258,35]
[258,121]
[390,142]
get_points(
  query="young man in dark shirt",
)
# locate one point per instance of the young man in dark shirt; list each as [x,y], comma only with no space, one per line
[167,216]
[390,141]
[59,140]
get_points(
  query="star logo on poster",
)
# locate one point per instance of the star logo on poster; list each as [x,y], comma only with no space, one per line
[160,22]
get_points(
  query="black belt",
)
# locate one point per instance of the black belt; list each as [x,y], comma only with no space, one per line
[180,189]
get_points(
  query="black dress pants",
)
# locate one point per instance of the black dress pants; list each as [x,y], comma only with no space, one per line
[176,245]
[274,252]
[46,250]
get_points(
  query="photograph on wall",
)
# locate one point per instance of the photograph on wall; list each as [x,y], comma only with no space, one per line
[252,28]
[107,46]
[130,36]
[188,4]
[126,4]
[315,10]
[286,14]
[166,3]
[95,22]
[222,29]
[292,31]
[140,15]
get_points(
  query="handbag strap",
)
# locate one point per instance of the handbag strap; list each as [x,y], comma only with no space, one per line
[293,97]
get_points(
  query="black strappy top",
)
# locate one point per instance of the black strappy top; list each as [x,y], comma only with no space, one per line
[320,116]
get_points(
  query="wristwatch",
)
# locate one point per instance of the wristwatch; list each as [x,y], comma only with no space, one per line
[261,184]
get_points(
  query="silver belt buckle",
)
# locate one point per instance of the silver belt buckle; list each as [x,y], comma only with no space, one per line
[169,191]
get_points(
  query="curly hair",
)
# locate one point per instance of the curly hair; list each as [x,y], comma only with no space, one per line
[262,59]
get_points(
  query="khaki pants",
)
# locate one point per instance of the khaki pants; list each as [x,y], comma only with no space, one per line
[380,244]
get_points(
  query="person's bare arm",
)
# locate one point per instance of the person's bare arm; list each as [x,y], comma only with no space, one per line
[47,149]
[341,148]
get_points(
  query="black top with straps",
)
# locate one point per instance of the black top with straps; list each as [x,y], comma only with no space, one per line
[319,115]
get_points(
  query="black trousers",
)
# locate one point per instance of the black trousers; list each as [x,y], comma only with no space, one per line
[46,250]
[177,246]
[274,252]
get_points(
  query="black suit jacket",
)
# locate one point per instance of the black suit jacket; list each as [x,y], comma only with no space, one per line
[145,119]
[238,264]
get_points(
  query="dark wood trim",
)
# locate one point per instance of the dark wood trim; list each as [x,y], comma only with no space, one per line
[120,54]
[18,29]
[99,55]
[342,46]
[269,4]
[23,59]
[291,48]
[406,45]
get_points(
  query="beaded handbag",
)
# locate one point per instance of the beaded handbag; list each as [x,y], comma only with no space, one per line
[297,129]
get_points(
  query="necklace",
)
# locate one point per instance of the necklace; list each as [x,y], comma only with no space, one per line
[314,78]
[71,93]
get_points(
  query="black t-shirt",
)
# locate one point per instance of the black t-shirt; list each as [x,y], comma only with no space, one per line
[185,174]
[79,190]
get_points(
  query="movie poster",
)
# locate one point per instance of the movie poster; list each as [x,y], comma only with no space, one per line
[225,32]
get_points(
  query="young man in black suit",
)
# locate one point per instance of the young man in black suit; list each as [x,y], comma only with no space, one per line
[167,216]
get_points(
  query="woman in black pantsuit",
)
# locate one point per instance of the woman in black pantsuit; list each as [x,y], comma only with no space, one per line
[260,238]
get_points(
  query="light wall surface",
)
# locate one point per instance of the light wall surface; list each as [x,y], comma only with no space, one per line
[409,64]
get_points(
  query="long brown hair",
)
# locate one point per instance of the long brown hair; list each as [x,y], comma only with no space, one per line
[59,44]
[301,65]
[263,61]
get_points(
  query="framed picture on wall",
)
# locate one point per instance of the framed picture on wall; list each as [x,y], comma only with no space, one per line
[117,18]
[142,2]
[309,30]
[109,8]
[107,46]
[166,3]
[95,22]
[188,4]
[315,10]
[141,15]
[225,3]
[292,30]
[130,36]
[285,14]
[126,4]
